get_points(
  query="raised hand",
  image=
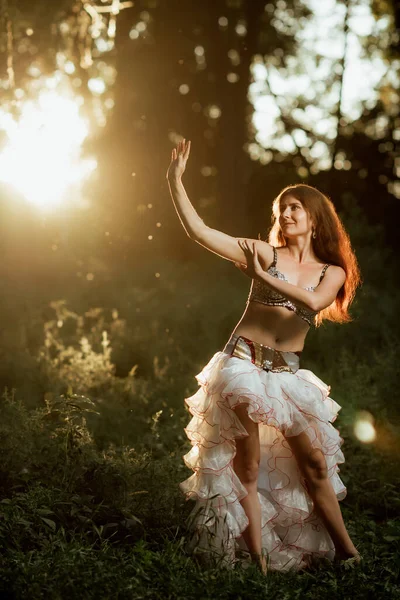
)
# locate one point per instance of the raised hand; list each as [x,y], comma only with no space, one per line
[253,268]
[179,157]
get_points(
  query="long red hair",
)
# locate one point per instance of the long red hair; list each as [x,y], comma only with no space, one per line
[332,245]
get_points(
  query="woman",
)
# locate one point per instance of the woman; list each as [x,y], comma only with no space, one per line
[265,454]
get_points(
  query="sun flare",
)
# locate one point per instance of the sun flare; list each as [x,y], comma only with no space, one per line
[41,158]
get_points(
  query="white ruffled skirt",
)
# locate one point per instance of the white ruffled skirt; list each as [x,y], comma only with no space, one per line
[284,404]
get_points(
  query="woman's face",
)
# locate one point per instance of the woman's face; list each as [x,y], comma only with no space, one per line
[293,219]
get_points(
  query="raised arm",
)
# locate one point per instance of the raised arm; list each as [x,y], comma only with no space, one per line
[216,241]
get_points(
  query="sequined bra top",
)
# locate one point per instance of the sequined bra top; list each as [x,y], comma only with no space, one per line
[261,292]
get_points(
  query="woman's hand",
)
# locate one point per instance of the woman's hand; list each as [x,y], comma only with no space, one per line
[179,157]
[253,269]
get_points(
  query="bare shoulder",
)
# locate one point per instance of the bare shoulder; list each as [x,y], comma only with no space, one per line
[336,273]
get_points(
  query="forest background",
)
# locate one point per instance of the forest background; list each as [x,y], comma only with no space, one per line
[109,310]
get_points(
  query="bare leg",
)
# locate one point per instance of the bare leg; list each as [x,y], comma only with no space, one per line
[245,464]
[312,464]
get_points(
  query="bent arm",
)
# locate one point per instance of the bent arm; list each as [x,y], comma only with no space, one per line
[219,243]
[321,298]
[329,287]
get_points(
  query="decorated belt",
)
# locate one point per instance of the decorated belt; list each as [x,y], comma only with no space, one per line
[265,357]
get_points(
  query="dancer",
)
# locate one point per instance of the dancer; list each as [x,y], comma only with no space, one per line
[265,454]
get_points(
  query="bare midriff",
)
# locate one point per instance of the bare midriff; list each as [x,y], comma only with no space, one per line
[274,326]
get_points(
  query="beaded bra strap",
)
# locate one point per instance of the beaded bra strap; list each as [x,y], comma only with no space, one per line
[323,272]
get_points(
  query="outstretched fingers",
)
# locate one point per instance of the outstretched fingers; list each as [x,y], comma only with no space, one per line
[246,249]
[187,151]
[255,253]
[250,251]
[182,149]
[256,260]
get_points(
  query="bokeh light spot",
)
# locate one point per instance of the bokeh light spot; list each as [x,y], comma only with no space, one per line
[214,111]
[234,57]
[364,429]
[97,85]
[241,29]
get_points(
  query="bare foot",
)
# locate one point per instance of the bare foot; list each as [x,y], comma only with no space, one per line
[261,561]
[342,555]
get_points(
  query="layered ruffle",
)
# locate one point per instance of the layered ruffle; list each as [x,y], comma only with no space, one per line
[284,404]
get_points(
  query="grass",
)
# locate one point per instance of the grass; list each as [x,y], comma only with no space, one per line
[91,446]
